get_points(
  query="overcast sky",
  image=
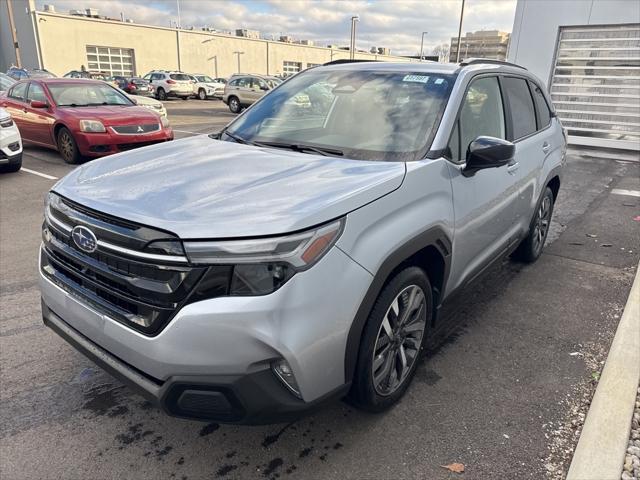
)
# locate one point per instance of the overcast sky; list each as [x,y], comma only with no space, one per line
[396,24]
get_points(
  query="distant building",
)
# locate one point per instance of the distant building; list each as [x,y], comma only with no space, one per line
[587,54]
[243,32]
[482,44]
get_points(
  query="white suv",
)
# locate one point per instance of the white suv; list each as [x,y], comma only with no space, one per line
[206,87]
[170,84]
[10,144]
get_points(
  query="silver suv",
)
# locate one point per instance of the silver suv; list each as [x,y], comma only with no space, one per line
[243,90]
[307,251]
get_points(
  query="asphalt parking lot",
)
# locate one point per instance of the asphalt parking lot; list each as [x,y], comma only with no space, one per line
[503,394]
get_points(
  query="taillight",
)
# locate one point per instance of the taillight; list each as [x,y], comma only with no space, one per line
[171,82]
[132,86]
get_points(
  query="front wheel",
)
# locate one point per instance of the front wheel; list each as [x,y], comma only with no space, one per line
[68,147]
[234,105]
[531,247]
[161,94]
[202,95]
[392,341]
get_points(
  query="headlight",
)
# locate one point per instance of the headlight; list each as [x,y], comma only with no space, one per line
[164,121]
[259,266]
[92,126]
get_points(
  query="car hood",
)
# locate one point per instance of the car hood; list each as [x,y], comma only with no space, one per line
[144,101]
[204,188]
[112,115]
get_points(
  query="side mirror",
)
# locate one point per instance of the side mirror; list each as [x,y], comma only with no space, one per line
[39,104]
[488,152]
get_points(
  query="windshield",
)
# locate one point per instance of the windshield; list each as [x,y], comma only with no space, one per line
[86,94]
[204,78]
[362,114]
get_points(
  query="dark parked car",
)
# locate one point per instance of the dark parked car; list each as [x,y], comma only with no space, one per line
[134,85]
[81,117]
[22,73]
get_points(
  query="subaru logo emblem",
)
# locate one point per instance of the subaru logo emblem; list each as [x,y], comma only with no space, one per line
[140,129]
[84,239]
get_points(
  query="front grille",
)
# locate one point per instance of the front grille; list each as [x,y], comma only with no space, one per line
[136,129]
[134,284]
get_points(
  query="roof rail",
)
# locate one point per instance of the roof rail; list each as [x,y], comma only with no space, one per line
[479,61]
[346,60]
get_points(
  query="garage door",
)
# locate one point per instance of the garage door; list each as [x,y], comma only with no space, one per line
[596,85]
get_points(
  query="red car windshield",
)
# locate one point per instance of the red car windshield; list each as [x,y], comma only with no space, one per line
[86,95]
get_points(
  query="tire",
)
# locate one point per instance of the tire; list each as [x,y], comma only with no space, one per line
[12,167]
[380,381]
[531,247]
[202,95]
[234,105]
[68,147]
[185,98]
[161,94]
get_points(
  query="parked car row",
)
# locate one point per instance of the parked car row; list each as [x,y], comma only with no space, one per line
[184,85]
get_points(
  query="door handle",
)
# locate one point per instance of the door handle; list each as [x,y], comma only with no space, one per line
[546,147]
[24,110]
[513,167]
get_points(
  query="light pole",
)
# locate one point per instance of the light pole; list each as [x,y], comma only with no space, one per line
[214,57]
[422,44]
[352,47]
[179,24]
[460,33]
[238,54]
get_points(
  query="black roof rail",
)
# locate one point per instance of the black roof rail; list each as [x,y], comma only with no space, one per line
[490,61]
[346,60]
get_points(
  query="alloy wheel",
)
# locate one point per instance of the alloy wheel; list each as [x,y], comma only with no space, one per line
[399,339]
[66,146]
[541,226]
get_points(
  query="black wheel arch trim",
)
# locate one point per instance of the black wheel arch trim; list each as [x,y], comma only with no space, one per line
[434,237]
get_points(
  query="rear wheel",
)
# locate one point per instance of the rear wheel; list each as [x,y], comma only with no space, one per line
[67,146]
[202,95]
[392,341]
[234,105]
[531,247]
[161,94]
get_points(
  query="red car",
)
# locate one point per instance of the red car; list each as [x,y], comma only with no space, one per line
[81,117]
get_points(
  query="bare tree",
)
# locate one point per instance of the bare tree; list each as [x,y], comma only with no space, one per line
[442,51]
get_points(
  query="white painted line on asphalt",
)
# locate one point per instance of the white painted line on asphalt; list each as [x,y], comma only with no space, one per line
[43,175]
[622,191]
[600,452]
[187,131]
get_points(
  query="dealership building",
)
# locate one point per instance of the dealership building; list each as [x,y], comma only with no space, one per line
[61,42]
[588,54]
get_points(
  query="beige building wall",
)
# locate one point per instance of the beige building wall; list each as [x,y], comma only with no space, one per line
[64,38]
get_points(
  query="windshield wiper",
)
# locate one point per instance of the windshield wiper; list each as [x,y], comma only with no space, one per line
[300,147]
[237,138]
[74,105]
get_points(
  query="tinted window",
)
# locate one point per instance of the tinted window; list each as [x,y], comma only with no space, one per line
[542,109]
[522,112]
[36,92]
[18,92]
[180,77]
[482,113]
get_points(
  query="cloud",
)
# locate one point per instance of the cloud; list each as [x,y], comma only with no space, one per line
[396,24]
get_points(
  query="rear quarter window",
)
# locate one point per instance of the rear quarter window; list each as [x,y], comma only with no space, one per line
[542,108]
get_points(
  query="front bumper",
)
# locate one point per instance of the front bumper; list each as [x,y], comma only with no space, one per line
[101,144]
[226,345]
[10,145]
[254,398]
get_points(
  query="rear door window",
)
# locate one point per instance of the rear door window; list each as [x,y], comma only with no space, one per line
[18,92]
[523,117]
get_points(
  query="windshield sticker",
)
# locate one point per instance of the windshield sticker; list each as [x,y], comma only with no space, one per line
[439,81]
[416,78]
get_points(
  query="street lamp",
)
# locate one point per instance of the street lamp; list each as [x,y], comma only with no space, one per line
[422,44]
[238,54]
[460,33]
[214,57]
[352,47]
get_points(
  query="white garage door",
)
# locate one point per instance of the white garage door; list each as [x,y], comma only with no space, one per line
[596,85]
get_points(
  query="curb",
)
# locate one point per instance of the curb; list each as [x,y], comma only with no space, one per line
[601,449]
